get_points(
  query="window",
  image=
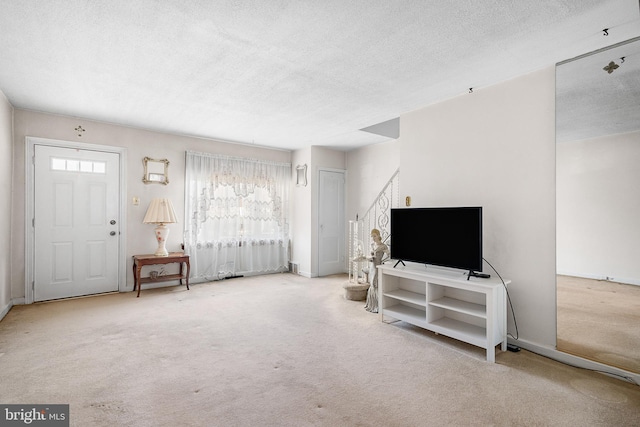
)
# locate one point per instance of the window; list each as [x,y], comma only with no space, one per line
[75,165]
[237,215]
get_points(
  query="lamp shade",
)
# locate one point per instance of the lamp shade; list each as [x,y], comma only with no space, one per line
[160,211]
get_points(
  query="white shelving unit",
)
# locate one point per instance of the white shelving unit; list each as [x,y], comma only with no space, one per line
[445,302]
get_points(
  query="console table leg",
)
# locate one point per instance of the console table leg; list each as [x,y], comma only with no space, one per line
[134,276]
[137,279]
[188,272]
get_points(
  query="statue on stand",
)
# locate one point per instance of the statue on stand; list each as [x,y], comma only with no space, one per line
[378,250]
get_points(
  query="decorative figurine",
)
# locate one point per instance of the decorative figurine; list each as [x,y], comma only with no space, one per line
[378,250]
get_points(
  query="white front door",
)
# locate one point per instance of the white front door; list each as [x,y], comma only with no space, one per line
[331,240]
[76,200]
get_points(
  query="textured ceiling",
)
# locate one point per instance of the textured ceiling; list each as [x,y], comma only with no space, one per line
[591,102]
[278,73]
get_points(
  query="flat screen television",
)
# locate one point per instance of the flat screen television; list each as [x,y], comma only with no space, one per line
[440,236]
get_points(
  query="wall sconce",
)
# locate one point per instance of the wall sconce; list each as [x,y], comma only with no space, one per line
[301,175]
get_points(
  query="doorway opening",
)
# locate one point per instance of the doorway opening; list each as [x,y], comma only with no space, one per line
[69,262]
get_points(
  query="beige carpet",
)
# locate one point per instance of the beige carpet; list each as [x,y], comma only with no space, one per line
[599,321]
[280,350]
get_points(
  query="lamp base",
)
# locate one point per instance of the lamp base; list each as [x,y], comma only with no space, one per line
[161,232]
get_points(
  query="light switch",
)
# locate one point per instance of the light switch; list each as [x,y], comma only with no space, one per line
[136,200]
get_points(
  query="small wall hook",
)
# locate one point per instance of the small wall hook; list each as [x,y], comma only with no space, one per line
[605,31]
[470,90]
[622,59]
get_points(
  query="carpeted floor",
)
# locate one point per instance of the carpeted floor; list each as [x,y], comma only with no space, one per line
[599,321]
[280,350]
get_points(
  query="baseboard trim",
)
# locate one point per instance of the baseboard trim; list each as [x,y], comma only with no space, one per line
[578,362]
[624,280]
[6,309]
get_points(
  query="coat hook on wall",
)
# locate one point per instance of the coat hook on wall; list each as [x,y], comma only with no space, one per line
[79,130]
[470,90]
[622,59]
[605,32]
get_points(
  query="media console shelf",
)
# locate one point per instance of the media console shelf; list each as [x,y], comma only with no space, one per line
[445,302]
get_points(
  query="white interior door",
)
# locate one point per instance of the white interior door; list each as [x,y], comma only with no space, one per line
[76,200]
[331,223]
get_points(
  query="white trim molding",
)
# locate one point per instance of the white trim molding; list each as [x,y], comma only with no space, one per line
[5,310]
[578,362]
[30,143]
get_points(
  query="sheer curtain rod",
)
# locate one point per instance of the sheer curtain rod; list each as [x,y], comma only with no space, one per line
[243,159]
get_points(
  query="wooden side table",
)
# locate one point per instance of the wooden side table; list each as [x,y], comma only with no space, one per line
[173,257]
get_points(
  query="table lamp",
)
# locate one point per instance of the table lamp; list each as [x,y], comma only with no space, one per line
[160,212]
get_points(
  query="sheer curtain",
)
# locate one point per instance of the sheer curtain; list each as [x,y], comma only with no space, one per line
[236,216]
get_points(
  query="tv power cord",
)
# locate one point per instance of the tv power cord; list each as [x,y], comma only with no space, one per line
[511,347]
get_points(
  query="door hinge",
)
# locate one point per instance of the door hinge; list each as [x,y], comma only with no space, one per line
[33,222]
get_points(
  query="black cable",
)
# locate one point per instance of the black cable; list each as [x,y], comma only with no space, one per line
[513,313]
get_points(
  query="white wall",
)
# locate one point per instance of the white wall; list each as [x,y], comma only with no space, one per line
[598,207]
[6,162]
[493,148]
[368,171]
[305,208]
[139,144]
[321,158]
[301,215]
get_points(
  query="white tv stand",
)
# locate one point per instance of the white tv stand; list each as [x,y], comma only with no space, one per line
[445,302]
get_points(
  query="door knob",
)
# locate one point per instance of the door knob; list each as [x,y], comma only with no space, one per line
[112,222]
[113,233]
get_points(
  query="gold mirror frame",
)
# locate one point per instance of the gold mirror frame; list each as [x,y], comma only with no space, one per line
[156,171]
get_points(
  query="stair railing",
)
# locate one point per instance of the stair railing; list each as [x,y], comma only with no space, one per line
[379,213]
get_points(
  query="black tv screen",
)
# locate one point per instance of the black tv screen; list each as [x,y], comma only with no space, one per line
[446,237]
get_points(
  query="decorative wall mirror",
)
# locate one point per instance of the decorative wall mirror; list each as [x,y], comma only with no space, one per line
[301,175]
[155,171]
[597,206]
